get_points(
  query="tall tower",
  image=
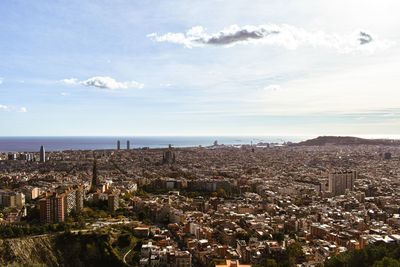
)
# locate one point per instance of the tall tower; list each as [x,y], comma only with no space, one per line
[95,180]
[42,154]
[128,144]
[169,156]
[118,145]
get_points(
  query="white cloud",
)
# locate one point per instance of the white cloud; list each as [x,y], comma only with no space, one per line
[1,80]
[13,108]
[284,35]
[104,82]
[64,94]
[70,81]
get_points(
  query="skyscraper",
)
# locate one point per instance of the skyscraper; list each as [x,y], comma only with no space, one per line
[42,154]
[45,210]
[340,181]
[80,196]
[128,144]
[118,145]
[168,156]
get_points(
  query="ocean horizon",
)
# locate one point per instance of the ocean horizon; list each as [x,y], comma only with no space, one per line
[60,143]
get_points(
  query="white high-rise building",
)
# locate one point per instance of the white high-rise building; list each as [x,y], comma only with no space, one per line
[19,200]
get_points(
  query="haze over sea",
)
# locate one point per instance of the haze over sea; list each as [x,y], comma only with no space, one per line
[29,144]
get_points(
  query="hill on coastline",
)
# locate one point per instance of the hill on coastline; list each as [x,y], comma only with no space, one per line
[347,140]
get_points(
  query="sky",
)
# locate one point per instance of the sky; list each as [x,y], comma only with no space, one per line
[199,67]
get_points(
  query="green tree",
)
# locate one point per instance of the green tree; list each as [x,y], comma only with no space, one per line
[295,252]
[124,240]
[270,263]
[278,237]
[387,262]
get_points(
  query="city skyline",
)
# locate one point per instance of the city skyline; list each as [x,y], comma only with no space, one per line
[92,68]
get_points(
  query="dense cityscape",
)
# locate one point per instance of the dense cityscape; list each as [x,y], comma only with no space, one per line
[265,204]
[201,133]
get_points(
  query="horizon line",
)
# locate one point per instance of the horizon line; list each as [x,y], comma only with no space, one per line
[372,136]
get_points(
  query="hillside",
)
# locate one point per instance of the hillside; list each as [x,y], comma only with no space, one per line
[29,251]
[378,255]
[347,140]
[55,250]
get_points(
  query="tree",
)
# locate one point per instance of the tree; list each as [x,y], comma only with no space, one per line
[136,258]
[33,214]
[141,216]
[7,232]
[295,252]
[387,262]
[270,263]
[380,254]
[278,237]
[124,240]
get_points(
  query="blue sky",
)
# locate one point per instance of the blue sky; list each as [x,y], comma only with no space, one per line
[199,67]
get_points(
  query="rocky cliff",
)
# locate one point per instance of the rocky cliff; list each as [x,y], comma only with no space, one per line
[29,251]
[59,250]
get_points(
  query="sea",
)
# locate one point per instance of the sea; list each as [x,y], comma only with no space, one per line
[32,144]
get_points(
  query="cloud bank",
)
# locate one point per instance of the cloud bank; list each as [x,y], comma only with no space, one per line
[104,82]
[13,109]
[286,36]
